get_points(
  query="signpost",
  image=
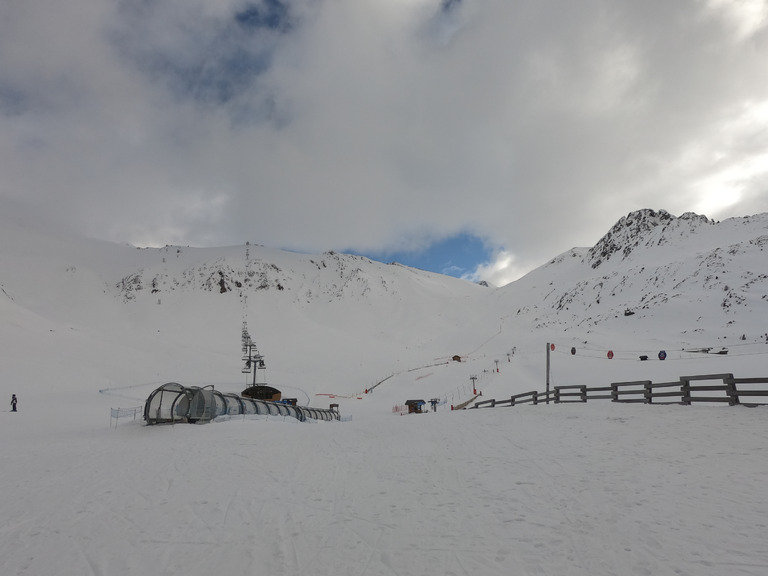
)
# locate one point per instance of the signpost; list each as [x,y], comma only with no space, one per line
[549,346]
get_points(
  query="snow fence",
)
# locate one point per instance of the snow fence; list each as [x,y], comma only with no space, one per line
[172,403]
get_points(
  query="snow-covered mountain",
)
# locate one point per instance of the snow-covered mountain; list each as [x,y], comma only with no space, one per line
[706,282]
[248,270]
[593,489]
[710,278]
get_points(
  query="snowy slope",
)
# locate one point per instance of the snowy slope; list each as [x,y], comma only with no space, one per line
[586,489]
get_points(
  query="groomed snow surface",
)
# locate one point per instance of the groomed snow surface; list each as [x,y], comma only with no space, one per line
[587,489]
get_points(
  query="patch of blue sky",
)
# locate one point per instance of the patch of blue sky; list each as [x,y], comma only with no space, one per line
[271,14]
[209,60]
[449,4]
[445,23]
[12,101]
[458,255]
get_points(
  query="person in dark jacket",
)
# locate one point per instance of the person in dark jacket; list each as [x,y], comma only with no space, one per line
[13,403]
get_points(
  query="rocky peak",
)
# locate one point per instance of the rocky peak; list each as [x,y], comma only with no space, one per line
[636,228]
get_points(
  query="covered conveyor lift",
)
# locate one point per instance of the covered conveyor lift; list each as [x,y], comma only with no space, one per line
[173,403]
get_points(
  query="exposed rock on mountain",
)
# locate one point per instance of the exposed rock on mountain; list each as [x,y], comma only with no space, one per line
[251,269]
[643,227]
[651,263]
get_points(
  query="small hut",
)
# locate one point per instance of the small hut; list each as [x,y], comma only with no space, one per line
[415,406]
[456,358]
[262,392]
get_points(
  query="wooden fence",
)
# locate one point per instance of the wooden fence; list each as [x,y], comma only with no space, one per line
[685,391]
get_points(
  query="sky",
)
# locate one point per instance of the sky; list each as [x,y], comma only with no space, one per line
[512,131]
[456,255]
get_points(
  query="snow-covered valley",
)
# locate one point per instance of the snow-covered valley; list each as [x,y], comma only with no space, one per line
[586,489]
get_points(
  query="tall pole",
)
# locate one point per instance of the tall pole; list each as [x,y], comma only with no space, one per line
[253,362]
[548,372]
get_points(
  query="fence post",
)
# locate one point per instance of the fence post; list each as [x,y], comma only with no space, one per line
[732,391]
[648,392]
[557,395]
[614,392]
[584,393]
[535,397]
[685,391]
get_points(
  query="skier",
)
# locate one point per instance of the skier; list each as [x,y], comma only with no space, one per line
[13,402]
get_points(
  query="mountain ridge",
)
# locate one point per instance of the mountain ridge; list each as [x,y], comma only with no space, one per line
[651,262]
[706,279]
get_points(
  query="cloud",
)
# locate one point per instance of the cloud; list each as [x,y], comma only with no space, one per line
[381,125]
[502,269]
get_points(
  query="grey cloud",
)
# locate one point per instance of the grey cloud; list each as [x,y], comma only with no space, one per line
[372,125]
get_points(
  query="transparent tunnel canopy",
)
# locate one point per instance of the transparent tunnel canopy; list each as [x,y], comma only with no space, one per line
[172,403]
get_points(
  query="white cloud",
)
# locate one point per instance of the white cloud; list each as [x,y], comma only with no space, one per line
[746,16]
[377,125]
[501,270]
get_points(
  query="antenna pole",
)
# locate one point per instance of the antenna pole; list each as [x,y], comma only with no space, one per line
[548,346]
[253,361]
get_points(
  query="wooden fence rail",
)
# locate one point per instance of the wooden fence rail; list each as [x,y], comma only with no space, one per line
[685,391]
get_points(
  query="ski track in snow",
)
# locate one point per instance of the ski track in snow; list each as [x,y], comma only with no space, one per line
[588,489]
[570,490]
